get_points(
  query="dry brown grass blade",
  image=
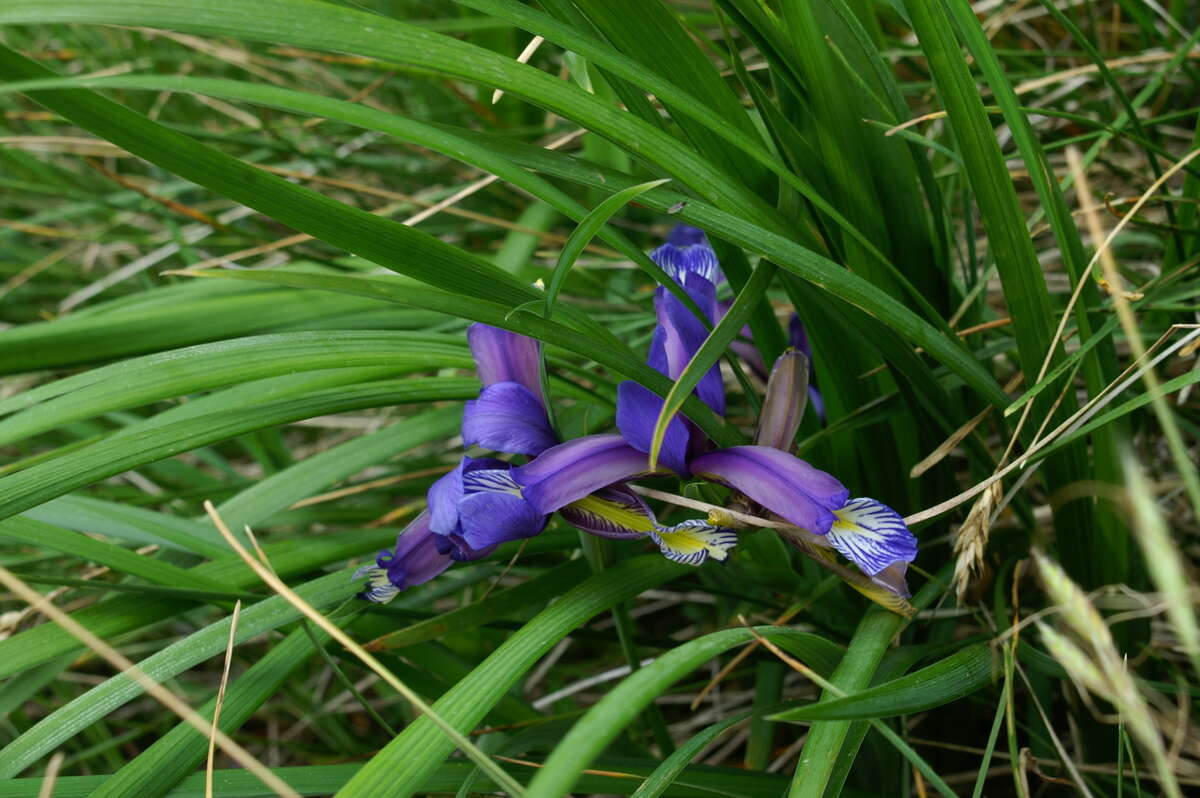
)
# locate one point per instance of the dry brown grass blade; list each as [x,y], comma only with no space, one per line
[416,218]
[959,435]
[1049,80]
[523,58]
[50,779]
[37,267]
[72,145]
[216,719]
[616,774]
[741,656]
[152,688]
[949,445]
[166,202]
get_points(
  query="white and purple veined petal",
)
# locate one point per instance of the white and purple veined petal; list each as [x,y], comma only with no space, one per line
[503,356]
[614,512]
[687,251]
[786,398]
[571,470]
[694,541]
[507,418]
[780,482]
[415,559]
[874,537]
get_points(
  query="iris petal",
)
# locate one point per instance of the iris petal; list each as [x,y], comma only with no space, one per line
[416,559]
[684,334]
[785,485]
[872,535]
[572,470]
[507,418]
[692,542]
[687,251]
[613,512]
[443,498]
[637,413]
[489,519]
[503,356]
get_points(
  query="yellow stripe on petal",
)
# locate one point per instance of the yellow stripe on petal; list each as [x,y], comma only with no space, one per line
[693,542]
[621,516]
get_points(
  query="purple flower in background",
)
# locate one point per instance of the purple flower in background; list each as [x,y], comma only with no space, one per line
[798,338]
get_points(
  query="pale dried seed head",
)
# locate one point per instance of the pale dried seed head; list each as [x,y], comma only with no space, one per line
[1077,610]
[971,543]
[1078,665]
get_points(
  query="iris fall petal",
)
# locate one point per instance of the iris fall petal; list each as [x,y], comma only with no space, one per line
[872,535]
[692,542]
[785,485]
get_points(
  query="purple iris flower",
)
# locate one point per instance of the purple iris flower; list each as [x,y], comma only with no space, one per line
[478,506]
[482,503]
[867,533]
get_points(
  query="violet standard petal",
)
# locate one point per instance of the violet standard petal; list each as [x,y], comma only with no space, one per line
[507,418]
[503,356]
[637,412]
